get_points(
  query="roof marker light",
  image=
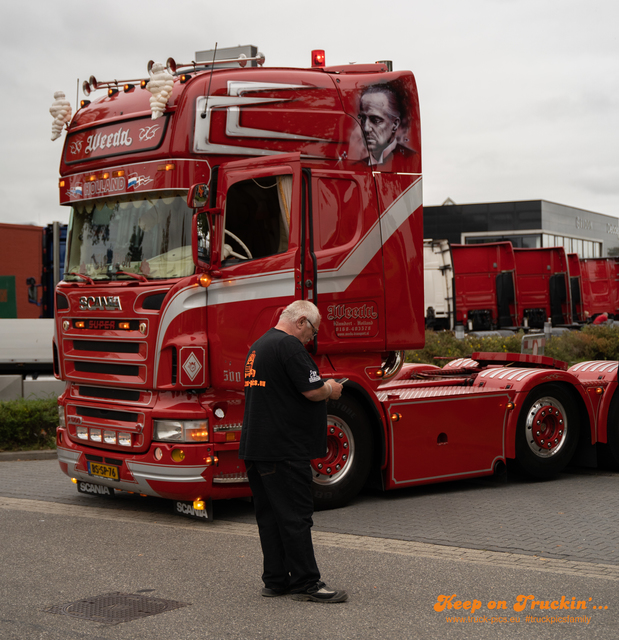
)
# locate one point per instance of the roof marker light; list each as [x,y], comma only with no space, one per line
[318,58]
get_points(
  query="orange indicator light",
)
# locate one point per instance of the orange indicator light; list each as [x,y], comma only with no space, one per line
[80,324]
[199,436]
[124,325]
[205,280]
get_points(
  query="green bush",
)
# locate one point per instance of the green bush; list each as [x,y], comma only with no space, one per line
[590,343]
[28,424]
[442,345]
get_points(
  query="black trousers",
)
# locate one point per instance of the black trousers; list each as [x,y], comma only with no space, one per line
[284,507]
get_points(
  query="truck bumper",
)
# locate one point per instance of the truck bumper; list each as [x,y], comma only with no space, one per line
[190,480]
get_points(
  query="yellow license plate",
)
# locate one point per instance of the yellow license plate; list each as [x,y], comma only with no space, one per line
[103,471]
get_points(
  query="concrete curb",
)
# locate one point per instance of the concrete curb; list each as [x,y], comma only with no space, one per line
[46,454]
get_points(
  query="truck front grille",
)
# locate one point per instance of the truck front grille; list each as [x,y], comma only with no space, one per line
[107,414]
[106,428]
[105,361]
[107,368]
[109,393]
[106,347]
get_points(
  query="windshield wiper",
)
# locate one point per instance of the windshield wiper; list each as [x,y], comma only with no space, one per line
[137,276]
[88,279]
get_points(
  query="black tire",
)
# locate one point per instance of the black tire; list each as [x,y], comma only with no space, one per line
[340,475]
[548,431]
[608,453]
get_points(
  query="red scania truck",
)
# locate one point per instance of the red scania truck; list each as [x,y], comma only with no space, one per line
[203,203]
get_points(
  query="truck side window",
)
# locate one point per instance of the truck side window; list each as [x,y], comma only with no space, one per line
[339,222]
[257,218]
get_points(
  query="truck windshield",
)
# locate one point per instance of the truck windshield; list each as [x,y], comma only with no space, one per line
[112,239]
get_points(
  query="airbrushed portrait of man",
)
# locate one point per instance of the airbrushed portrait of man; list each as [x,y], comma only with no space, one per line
[382,117]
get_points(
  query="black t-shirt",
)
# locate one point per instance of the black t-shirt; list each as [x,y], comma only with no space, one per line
[280,423]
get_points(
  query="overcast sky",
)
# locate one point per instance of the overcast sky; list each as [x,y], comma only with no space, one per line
[519,98]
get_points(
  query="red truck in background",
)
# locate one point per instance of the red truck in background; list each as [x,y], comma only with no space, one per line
[485,286]
[543,286]
[600,286]
[202,205]
[481,288]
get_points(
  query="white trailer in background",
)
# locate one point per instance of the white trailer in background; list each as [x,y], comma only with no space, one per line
[27,359]
[438,284]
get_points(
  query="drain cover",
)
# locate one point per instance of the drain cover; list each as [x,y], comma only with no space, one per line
[114,608]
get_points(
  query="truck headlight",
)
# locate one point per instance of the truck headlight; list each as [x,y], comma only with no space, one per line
[180,430]
[61,419]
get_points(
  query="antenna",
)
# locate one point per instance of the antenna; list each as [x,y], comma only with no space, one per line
[208,91]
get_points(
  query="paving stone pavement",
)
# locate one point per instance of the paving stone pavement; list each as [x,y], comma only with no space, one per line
[572,518]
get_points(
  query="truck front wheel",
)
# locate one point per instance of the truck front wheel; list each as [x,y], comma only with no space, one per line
[548,431]
[341,473]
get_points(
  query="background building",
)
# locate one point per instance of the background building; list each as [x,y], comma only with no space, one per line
[529,224]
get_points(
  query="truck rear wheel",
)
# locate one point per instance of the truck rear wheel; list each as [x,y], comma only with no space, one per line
[547,432]
[341,473]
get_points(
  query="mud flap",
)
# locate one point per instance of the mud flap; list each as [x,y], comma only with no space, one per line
[187,509]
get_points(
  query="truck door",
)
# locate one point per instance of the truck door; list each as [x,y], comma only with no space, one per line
[343,242]
[260,259]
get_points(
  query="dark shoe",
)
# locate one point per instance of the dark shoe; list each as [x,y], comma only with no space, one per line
[274,593]
[321,593]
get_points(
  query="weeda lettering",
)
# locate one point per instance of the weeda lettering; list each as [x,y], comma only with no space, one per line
[340,311]
[100,141]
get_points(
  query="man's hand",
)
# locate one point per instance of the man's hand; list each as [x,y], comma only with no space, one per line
[330,390]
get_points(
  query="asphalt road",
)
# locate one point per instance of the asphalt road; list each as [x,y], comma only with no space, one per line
[512,559]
